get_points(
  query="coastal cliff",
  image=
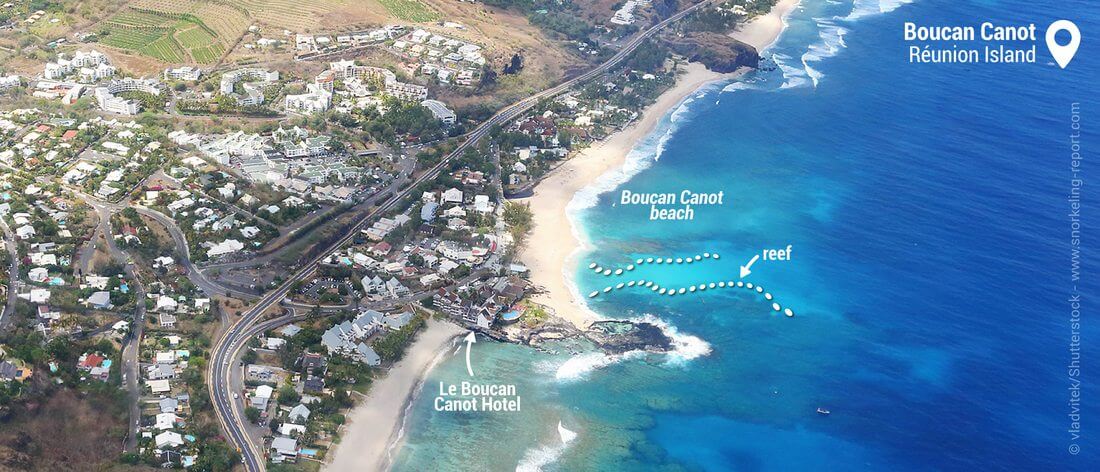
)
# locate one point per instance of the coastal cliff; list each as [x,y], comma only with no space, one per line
[717,51]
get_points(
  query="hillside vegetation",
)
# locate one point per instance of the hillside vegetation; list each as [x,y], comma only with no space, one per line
[175,31]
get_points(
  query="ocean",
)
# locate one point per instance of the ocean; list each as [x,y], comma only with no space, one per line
[928,211]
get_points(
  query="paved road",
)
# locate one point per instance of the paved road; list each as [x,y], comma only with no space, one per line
[13,275]
[229,411]
[184,251]
[87,250]
[275,248]
[104,209]
[131,346]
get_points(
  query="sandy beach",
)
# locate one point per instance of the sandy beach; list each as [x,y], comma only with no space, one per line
[373,423]
[762,31]
[550,248]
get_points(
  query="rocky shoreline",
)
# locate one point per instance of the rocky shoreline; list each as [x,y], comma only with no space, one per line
[610,336]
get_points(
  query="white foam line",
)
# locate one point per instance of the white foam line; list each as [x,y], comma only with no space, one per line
[599,269]
[698,289]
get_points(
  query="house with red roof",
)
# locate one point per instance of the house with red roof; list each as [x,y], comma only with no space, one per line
[96,365]
[381,249]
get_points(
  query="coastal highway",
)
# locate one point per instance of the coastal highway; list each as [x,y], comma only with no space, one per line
[275,248]
[224,352]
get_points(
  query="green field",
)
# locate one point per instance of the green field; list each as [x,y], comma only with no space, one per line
[208,54]
[193,36]
[411,10]
[197,40]
[153,42]
[169,38]
[166,49]
[138,19]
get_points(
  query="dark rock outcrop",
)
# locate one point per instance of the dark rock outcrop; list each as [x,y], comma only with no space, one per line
[717,51]
[617,337]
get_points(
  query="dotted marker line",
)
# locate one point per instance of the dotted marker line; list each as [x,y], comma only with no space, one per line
[651,260]
[659,290]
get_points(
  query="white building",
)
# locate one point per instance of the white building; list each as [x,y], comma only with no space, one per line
[255,81]
[109,103]
[225,247]
[10,81]
[96,64]
[315,100]
[182,73]
[97,73]
[440,111]
[347,70]
[168,439]
[129,84]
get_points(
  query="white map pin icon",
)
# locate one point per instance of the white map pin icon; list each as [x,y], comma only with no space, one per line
[1063,53]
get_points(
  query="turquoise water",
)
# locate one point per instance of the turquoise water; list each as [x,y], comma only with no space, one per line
[926,208]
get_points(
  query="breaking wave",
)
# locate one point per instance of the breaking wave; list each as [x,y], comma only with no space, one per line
[831,31]
[578,367]
[640,158]
[865,8]
[535,459]
[685,347]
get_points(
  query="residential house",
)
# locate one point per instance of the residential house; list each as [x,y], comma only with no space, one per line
[397,320]
[299,414]
[168,439]
[284,449]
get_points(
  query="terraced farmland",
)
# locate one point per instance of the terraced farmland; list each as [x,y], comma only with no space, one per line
[137,19]
[225,19]
[194,36]
[153,42]
[176,31]
[208,54]
[411,10]
[295,15]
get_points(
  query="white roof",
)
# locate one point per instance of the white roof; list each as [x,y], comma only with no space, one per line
[286,429]
[285,445]
[299,412]
[159,386]
[263,391]
[169,438]
[165,420]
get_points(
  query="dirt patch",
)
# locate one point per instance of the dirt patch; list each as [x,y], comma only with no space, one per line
[101,258]
[63,432]
[162,233]
[132,63]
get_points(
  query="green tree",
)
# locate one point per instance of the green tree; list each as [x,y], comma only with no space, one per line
[288,396]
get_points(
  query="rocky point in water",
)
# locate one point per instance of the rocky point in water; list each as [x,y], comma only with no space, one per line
[617,336]
[611,336]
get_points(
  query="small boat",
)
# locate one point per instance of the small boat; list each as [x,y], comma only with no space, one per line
[822,411]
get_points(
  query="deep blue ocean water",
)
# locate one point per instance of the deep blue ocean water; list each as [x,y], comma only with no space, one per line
[927,209]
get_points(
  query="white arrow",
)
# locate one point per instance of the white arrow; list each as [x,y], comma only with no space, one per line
[470,340]
[745,268]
